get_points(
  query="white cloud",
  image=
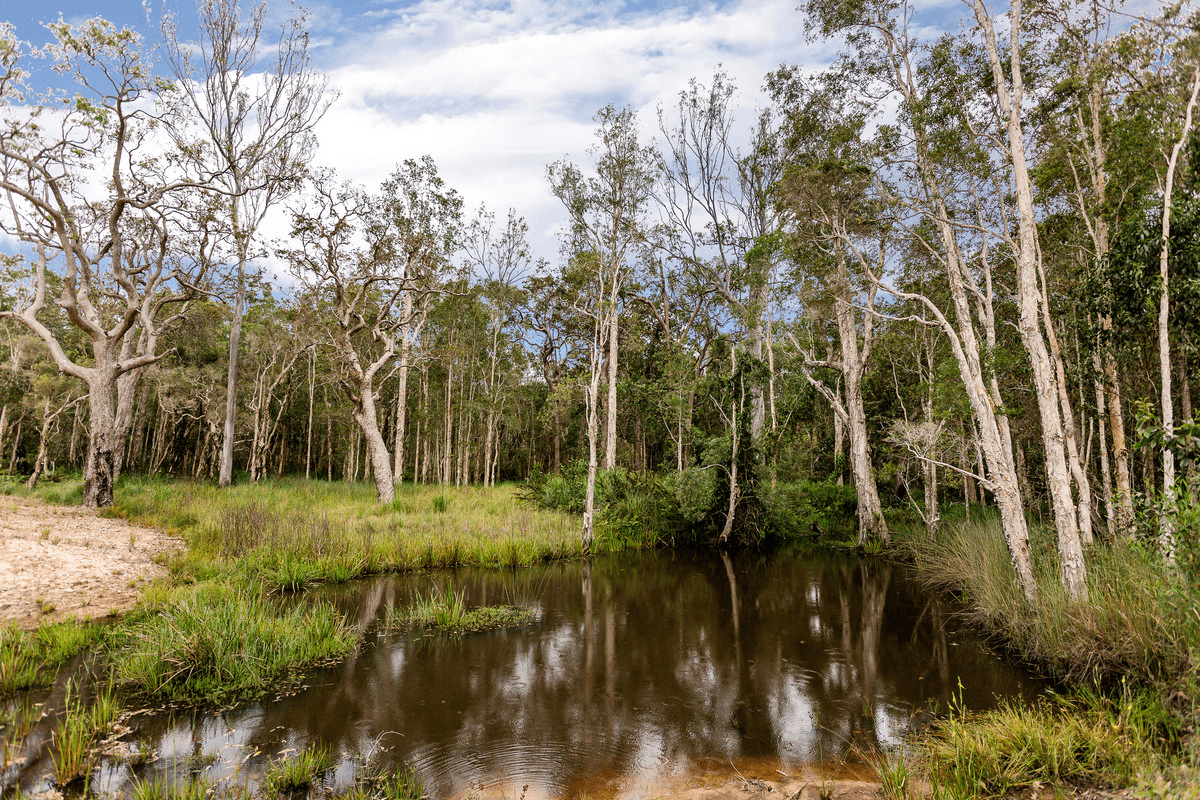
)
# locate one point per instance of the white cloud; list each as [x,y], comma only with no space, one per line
[496,91]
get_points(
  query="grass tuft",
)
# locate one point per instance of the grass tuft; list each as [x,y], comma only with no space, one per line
[1081,741]
[214,643]
[298,772]
[73,753]
[445,610]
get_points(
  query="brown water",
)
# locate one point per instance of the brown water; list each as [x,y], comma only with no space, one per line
[641,670]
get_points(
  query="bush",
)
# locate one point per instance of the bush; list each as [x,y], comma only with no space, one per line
[823,511]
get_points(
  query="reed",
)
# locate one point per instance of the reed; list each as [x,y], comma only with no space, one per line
[290,775]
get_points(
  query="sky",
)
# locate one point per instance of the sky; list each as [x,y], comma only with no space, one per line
[495,91]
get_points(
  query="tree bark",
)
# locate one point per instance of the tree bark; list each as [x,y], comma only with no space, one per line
[610,444]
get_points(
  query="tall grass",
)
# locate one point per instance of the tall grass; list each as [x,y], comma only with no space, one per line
[1139,621]
[1080,741]
[291,533]
[1131,652]
[218,643]
[32,658]
[73,754]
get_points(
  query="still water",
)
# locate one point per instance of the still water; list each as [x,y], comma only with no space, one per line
[641,670]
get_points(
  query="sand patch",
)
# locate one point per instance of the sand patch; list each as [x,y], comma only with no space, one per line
[60,561]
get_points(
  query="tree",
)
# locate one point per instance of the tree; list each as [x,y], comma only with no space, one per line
[606,222]
[825,191]
[256,128]
[422,218]
[109,246]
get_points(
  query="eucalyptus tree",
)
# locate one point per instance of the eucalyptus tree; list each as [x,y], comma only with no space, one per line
[256,120]
[606,212]
[108,243]
[421,219]
[930,183]
[344,262]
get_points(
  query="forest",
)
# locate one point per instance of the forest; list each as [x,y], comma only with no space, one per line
[946,277]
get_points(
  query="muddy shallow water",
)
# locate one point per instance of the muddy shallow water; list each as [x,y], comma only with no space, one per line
[641,670]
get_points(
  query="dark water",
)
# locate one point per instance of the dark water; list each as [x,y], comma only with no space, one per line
[641,669]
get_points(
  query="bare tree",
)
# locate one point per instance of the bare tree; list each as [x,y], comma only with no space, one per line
[257,132]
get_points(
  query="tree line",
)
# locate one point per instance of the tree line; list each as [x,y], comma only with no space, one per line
[948,270]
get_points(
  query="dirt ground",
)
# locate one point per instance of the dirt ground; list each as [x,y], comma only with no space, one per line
[60,561]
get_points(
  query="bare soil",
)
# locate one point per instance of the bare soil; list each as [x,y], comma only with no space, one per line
[61,561]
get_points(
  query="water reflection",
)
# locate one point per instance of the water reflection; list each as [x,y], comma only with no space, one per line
[639,669]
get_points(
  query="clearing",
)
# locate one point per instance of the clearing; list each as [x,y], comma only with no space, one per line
[61,561]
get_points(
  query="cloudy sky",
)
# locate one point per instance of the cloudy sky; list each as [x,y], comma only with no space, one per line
[495,90]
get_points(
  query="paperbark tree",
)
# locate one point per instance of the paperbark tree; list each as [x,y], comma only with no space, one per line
[825,194]
[423,219]
[606,224]
[716,209]
[1053,399]
[351,276]
[256,120]
[108,245]
[910,177]
[503,262]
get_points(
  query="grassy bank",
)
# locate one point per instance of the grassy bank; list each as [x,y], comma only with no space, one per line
[290,533]
[1128,657]
[219,630]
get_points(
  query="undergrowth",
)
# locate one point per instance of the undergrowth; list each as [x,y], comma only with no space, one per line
[1128,653]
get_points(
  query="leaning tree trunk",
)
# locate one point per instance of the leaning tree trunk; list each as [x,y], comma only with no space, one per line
[381,462]
[870,510]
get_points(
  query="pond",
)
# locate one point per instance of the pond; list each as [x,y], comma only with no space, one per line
[639,671]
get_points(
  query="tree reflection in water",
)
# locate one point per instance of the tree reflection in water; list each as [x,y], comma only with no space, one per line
[780,660]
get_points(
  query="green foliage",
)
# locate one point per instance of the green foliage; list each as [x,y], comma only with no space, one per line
[33,658]
[821,511]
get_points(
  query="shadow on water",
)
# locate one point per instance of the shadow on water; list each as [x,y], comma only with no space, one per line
[640,669]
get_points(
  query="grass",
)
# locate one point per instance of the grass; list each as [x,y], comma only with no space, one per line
[291,533]
[73,752]
[1130,653]
[1139,623]
[33,658]
[1080,741]
[194,788]
[297,772]
[217,632]
[445,610]
[218,643]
